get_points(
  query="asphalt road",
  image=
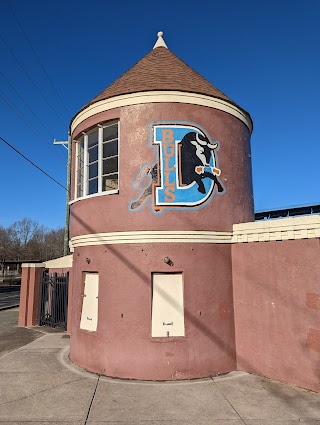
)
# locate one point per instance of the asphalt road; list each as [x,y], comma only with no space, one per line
[8,299]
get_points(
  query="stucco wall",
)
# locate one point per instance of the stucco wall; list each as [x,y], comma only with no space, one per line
[123,346]
[30,294]
[110,213]
[277,310]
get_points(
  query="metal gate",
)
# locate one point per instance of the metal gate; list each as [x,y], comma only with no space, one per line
[54,300]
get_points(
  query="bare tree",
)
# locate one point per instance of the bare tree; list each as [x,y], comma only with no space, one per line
[26,239]
[24,230]
[53,243]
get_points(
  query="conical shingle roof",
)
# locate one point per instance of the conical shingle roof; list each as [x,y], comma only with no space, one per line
[161,70]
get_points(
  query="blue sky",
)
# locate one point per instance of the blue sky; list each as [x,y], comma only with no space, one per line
[263,54]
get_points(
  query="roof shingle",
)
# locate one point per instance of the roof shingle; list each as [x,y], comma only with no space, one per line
[160,70]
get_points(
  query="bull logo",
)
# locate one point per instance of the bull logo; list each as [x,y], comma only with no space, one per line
[186,173]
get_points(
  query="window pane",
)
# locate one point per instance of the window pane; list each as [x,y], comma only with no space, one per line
[80,167]
[81,146]
[110,182]
[93,154]
[80,176]
[110,148]
[93,170]
[93,186]
[80,154]
[79,190]
[110,132]
[110,165]
[96,172]
[93,138]
[80,162]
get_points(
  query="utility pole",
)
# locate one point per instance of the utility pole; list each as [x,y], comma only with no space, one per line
[67,223]
[66,230]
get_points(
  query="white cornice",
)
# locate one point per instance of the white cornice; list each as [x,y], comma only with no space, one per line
[160,97]
[32,265]
[155,236]
[59,263]
[307,227]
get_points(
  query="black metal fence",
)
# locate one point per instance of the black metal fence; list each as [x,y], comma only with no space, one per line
[54,300]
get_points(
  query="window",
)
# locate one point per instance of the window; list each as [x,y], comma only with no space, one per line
[97,166]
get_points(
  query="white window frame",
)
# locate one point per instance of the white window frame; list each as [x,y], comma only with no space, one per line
[100,192]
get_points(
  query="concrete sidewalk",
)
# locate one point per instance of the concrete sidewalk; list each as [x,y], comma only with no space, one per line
[39,385]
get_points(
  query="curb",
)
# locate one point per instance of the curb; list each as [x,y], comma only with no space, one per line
[9,307]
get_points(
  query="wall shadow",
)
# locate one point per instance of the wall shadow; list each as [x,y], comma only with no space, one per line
[279,390]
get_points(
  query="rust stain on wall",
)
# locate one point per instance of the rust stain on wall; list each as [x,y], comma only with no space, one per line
[313,301]
[313,339]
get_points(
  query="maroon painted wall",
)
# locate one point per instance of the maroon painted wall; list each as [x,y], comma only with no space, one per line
[277,310]
[30,296]
[123,346]
[111,212]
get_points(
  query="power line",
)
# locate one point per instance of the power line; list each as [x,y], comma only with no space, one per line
[38,59]
[20,115]
[34,84]
[32,163]
[18,94]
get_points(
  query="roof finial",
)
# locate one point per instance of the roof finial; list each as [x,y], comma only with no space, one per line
[160,42]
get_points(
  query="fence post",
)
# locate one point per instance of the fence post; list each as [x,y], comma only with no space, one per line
[30,294]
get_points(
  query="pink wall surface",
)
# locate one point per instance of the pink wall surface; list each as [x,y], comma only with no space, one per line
[277,310]
[110,213]
[24,296]
[30,296]
[123,346]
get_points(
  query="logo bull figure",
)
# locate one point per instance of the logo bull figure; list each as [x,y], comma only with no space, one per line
[195,154]
[185,174]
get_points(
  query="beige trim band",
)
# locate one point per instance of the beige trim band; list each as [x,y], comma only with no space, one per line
[160,97]
[32,265]
[283,229]
[59,263]
[307,227]
[151,237]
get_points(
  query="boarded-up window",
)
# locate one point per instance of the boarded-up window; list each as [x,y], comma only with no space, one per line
[167,305]
[89,314]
